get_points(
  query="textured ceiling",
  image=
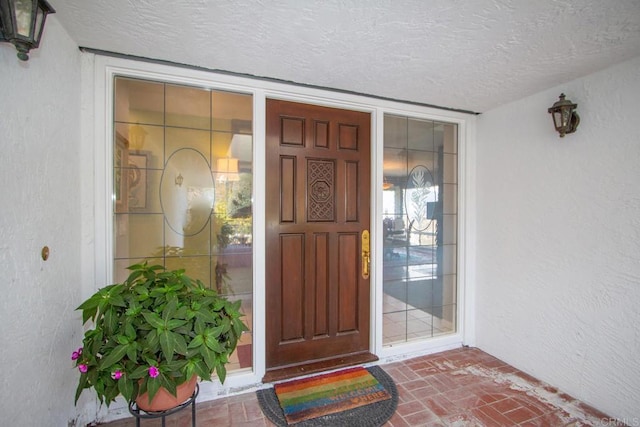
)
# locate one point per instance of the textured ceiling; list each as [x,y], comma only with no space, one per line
[472,55]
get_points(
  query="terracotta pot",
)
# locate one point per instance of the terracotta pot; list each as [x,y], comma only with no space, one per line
[164,400]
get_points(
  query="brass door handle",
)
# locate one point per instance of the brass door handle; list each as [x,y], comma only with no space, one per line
[366,254]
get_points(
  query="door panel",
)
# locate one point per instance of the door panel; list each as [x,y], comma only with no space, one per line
[318,201]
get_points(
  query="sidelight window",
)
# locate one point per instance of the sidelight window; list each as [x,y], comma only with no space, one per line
[183,168]
[419,229]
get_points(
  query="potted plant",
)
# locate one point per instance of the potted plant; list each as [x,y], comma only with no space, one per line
[157,330]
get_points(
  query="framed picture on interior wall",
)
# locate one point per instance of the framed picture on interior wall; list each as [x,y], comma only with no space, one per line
[138,180]
[120,160]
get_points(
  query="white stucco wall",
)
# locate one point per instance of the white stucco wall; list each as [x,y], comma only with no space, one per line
[558,240]
[39,172]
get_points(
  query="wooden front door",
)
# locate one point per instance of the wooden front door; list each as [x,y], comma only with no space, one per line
[317,207]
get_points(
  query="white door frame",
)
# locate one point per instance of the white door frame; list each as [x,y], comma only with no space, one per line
[97,115]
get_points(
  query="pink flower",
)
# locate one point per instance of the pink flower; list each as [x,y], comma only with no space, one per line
[76,354]
[116,375]
[153,371]
[83,368]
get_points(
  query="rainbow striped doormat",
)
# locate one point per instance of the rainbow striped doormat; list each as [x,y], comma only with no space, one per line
[326,394]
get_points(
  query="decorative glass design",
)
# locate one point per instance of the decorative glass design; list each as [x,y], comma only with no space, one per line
[174,204]
[419,226]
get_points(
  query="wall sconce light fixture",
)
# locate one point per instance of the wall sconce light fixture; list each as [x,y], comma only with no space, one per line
[179,179]
[22,23]
[137,135]
[565,118]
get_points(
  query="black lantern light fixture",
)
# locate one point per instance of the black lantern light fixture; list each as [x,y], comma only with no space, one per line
[565,118]
[22,23]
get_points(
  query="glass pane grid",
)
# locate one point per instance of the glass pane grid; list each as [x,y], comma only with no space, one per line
[419,230]
[173,205]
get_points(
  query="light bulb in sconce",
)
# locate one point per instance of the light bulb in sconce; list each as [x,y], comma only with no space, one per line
[137,135]
[179,179]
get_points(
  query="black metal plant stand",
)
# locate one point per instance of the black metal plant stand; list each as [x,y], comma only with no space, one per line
[140,414]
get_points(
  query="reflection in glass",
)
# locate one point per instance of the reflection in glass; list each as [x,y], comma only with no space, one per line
[179,138]
[187,207]
[138,235]
[175,203]
[419,229]
[147,138]
[188,107]
[139,102]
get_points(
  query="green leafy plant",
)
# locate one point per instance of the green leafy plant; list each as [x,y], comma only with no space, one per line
[157,329]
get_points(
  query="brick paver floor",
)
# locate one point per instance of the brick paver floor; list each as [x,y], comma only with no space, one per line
[462,387]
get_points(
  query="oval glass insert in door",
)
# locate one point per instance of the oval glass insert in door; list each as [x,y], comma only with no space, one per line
[187,192]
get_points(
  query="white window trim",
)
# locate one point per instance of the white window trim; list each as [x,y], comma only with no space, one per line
[97,102]
[465,334]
